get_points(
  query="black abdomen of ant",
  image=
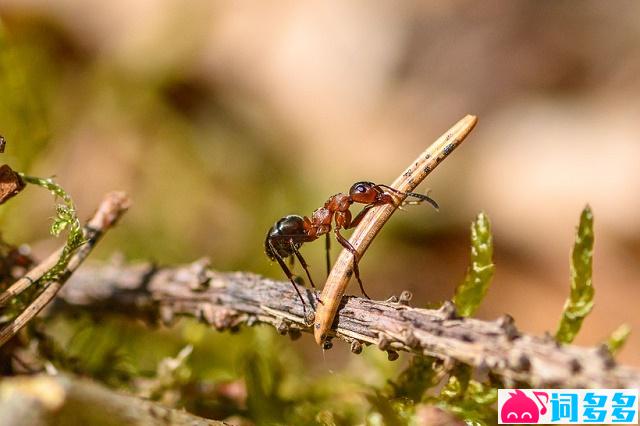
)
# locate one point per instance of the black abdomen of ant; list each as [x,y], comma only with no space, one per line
[283,241]
[291,226]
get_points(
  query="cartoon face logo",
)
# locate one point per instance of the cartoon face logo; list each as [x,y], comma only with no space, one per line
[519,408]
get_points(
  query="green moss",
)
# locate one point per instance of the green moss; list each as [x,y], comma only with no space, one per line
[65,218]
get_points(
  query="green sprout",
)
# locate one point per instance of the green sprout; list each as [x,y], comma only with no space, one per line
[618,338]
[473,288]
[580,301]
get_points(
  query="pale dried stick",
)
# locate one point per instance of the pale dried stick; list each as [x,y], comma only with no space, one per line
[109,211]
[67,400]
[364,233]
[30,277]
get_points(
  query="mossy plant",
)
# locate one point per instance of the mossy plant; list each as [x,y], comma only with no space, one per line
[65,218]
[580,301]
[618,338]
[473,288]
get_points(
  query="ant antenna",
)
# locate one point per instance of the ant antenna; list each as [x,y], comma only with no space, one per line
[420,197]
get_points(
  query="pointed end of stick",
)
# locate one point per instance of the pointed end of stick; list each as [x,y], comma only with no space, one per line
[454,137]
[467,123]
[320,325]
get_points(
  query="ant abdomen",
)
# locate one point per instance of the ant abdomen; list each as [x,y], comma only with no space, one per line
[288,226]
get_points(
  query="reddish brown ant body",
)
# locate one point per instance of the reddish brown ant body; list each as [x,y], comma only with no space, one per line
[289,233]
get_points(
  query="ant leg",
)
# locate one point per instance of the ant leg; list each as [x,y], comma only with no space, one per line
[356,258]
[302,262]
[305,267]
[356,220]
[289,275]
[327,248]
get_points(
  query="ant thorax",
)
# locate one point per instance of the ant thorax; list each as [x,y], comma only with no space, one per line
[321,221]
[339,203]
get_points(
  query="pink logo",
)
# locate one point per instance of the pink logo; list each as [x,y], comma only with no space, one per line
[519,408]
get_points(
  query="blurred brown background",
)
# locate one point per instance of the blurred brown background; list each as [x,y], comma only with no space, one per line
[221,117]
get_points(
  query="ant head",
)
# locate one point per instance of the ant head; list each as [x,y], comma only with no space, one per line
[364,192]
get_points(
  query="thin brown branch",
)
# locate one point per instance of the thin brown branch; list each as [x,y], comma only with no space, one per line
[62,399]
[228,300]
[375,219]
[109,211]
[30,277]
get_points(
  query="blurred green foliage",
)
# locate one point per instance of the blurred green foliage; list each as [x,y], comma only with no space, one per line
[427,380]
[187,159]
[255,374]
[420,374]
[469,399]
[25,101]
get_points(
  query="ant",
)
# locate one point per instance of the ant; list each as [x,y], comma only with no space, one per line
[287,235]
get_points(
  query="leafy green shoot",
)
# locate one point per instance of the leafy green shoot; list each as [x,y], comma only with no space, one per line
[472,290]
[389,412]
[580,301]
[65,218]
[462,396]
[395,403]
[419,376]
[618,338]
[471,401]
[456,386]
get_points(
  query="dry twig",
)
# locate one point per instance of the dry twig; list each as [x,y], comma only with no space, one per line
[227,300]
[109,211]
[47,400]
[366,231]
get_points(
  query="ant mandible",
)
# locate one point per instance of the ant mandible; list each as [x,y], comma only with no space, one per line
[285,238]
